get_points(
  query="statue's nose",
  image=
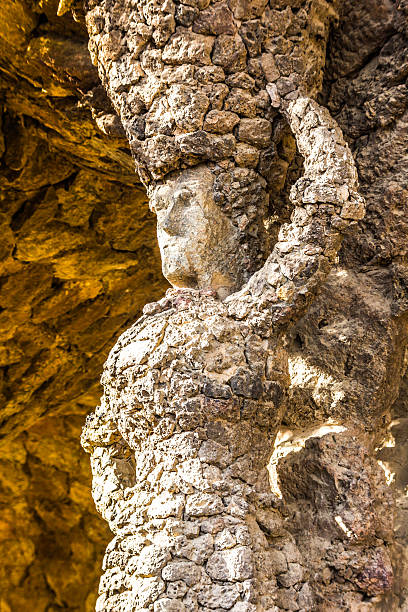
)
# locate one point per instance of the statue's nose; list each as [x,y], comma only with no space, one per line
[173,221]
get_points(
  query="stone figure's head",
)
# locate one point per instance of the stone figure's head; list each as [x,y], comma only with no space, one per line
[200,245]
[189,82]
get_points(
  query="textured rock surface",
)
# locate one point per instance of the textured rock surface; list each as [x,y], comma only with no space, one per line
[75,228]
[194,395]
[348,354]
[179,460]
[190,86]
[60,170]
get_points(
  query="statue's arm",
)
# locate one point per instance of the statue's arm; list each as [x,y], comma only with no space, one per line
[325,202]
[112,463]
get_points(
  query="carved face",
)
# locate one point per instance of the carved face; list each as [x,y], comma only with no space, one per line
[198,243]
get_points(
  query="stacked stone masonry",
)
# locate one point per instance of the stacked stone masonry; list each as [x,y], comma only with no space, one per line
[68,178]
[189,82]
[196,390]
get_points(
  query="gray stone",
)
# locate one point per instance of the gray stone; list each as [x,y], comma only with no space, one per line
[203,504]
[231,565]
[218,595]
[186,571]
[169,605]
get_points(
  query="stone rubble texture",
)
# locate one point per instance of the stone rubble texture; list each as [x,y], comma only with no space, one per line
[326,539]
[189,83]
[75,227]
[197,390]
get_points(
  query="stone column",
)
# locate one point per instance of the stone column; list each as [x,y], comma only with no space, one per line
[195,390]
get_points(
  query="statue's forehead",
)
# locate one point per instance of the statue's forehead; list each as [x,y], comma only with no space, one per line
[194,183]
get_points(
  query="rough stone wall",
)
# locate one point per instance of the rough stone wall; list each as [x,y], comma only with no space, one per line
[338,520]
[75,228]
[348,354]
[179,447]
[162,369]
[189,83]
[345,356]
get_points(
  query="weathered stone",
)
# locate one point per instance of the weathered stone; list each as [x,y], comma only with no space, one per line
[252,33]
[197,550]
[212,452]
[215,20]
[220,122]
[200,4]
[255,132]
[186,571]
[188,489]
[241,80]
[167,505]
[246,155]
[169,605]
[151,560]
[210,74]
[190,195]
[287,599]
[269,68]
[187,107]
[188,48]
[203,145]
[177,590]
[218,596]
[273,94]
[305,598]
[230,53]
[244,10]
[285,85]
[245,384]
[240,101]
[146,590]
[185,15]
[243,606]
[41,51]
[292,576]
[215,390]
[161,151]
[216,94]
[231,565]
[203,504]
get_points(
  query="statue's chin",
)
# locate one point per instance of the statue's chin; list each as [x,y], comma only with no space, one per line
[184,266]
[176,267]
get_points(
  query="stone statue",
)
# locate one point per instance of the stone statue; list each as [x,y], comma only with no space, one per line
[195,390]
[194,395]
[198,242]
[189,82]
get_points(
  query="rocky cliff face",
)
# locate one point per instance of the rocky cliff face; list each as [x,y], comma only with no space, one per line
[79,259]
